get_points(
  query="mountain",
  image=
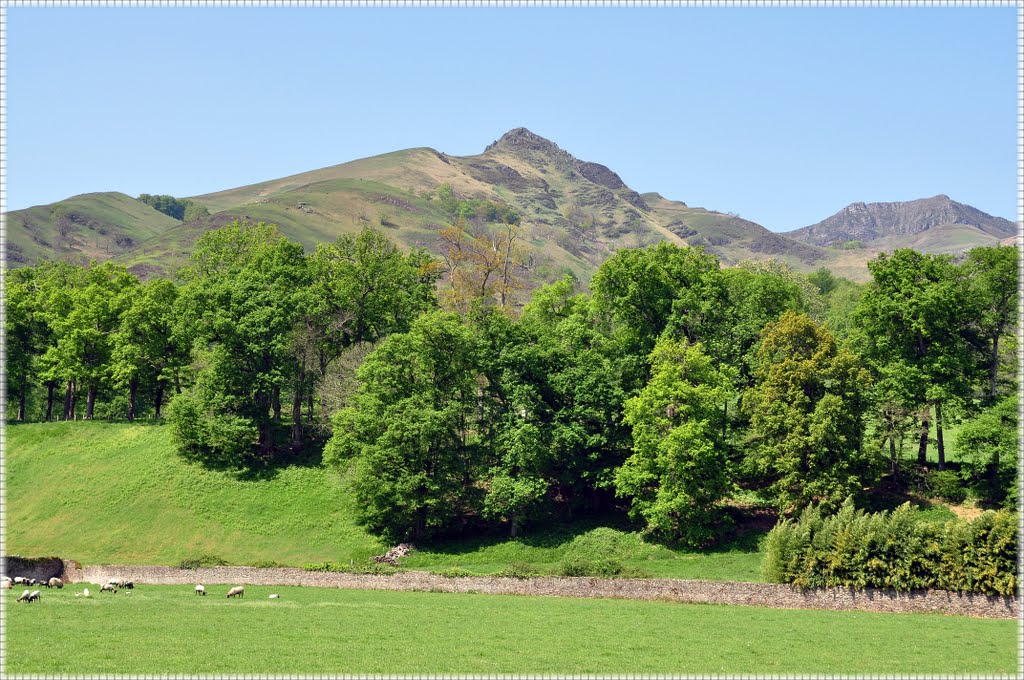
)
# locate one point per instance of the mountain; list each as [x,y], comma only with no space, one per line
[935,225]
[576,213]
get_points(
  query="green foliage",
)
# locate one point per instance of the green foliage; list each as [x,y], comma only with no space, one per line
[373,568]
[947,485]
[898,550]
[679,468]
[454,572]
[989,449]
[181,209]
[201,561]
[806,411]
[519,570]
[405,439]
[824,280]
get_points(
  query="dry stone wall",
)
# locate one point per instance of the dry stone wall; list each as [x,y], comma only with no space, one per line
[672,590]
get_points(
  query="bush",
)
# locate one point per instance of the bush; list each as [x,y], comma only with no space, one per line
[519,570]
[374,568]
[578,566]
[455,572]
[201,561]
[267,564]
[947,485]
[901,550]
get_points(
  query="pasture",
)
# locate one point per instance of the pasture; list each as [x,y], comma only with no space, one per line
[169,629]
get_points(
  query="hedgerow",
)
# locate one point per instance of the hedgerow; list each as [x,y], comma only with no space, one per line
[901,550]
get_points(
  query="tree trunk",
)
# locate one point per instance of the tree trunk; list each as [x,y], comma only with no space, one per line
[421,525]
[177,384]
[133,389]
[69,403]
[512,525]
[50,387]
[158,399]
[275,401]
[21,402]
[297,415]
[894,461]
[90,402]
[74,401]
[922,449]
[938,435]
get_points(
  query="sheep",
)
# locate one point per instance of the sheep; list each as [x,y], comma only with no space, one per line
[237,591]
[200,590]
[108,587]
[127,584]
[20,580]
[274,596]
[24,597]
[8,585]
[55,583]
[34,596]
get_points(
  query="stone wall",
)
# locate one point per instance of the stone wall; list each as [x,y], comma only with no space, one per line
[673,590]
[39,568]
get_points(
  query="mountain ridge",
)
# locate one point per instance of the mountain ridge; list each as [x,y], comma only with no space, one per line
[576,213]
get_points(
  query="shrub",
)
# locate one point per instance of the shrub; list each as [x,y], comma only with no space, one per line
[374,568]
[455,572]
[578,566]
[201,561]
[947,485]
[267,564]
[901,550]
[519,570]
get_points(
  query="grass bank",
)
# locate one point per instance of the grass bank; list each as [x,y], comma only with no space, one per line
[118,493]
[327,631]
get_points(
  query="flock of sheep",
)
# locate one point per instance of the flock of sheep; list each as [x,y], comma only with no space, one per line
[110,586]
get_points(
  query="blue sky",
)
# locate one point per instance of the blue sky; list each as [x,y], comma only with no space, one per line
[781,115]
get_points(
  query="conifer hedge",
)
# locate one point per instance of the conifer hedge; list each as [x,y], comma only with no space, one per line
[901,550]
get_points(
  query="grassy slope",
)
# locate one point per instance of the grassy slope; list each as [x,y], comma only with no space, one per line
[326,631]
[118,493]
[99,220]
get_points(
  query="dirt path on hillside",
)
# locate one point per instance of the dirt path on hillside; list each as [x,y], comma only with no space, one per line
[673,590]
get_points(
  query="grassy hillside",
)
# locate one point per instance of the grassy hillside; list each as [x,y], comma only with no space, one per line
[89,226]
[110,493]
[104,493]
[327,631]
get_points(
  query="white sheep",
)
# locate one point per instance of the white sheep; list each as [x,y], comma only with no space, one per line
[200,590]
[55,583]
[34,596]
[274,596]
[237,591]
[108,587]
[20,580]
[24,596]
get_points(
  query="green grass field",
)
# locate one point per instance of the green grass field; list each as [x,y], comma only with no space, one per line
[117,493]
[168,629]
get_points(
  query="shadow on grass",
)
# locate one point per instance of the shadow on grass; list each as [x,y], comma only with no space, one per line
[254,467]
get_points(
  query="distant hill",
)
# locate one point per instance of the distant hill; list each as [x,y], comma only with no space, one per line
[575,213]
[89,226]
[936,225]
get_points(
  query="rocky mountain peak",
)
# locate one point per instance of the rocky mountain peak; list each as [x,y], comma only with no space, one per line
[522,139]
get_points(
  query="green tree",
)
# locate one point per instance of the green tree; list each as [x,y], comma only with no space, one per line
[806,415]
[992,281]
[910,328]
[241,294]
[679,468]
[408,438]
[149,347]
[988,445]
